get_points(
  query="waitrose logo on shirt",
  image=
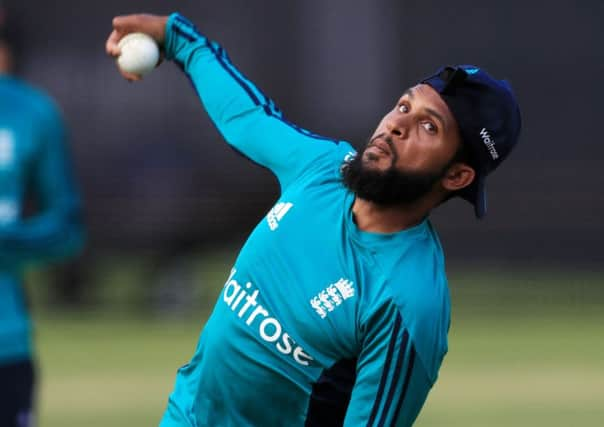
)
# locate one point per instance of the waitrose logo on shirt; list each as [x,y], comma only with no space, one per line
[243,299]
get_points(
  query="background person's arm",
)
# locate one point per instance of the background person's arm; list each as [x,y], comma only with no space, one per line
[55,231]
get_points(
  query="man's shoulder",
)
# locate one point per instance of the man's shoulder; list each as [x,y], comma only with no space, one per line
[327,166]
[416,288]
[337,156]
[419,277]
[31,97]
[413,262]
[426,308]
[425,320]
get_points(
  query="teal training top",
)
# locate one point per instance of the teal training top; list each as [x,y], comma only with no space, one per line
[318,323]
[33,166]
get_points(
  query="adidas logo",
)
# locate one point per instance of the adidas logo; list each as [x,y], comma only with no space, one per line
[277,213]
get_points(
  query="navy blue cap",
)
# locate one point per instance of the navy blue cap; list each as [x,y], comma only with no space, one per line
[488,118]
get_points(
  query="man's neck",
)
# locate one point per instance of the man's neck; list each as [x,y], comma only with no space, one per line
[387,219]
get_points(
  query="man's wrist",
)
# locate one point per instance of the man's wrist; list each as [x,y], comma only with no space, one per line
[180,35]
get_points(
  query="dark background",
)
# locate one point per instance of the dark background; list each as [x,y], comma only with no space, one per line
[156,175]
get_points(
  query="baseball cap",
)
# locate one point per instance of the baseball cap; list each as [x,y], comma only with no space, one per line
[488,118]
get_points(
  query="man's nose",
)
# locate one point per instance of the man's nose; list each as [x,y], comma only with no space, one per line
[397,128]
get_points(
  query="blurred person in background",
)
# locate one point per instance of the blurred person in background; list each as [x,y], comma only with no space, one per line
[40,221]
[337,309]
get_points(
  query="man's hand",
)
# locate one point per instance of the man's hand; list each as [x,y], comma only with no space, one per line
[153,25]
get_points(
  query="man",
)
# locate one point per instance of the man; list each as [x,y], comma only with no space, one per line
[336,311]
[33,164]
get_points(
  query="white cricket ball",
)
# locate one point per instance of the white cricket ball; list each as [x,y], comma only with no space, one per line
[139,54]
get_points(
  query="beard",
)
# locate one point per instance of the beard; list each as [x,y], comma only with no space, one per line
[390,187]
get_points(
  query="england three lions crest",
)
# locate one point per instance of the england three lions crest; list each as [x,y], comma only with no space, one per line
[332,296]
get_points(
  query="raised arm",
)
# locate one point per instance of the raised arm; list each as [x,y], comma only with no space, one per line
[55,231]
[249,121]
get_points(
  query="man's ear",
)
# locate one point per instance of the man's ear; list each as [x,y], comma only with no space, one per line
[458,176]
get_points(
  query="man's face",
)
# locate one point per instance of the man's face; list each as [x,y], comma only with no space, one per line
[423,134]
[409,151]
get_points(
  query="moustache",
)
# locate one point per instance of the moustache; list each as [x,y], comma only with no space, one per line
[388,140]
[384,137]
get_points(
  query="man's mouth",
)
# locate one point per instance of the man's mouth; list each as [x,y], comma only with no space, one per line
[382,143]
[382,146]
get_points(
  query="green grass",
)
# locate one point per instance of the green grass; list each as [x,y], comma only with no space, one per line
[522,352]
[104,371]
[542,371]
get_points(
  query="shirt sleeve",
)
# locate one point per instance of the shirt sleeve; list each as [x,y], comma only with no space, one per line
[249,121]
[55,231]
[392,383]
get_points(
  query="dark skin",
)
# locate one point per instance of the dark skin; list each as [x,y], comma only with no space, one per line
[422,130]
[425,137]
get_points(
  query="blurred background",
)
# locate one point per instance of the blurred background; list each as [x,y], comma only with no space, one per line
[168,203]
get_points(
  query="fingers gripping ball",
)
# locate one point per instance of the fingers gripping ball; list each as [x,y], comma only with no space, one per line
[139,54]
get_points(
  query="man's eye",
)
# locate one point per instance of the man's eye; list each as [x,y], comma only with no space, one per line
[429,126]
[403,108]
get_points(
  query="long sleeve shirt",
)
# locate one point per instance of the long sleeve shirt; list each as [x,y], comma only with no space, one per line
[319,323]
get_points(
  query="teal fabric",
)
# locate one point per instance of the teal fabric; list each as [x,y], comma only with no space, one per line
[308,289]
[34,164]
